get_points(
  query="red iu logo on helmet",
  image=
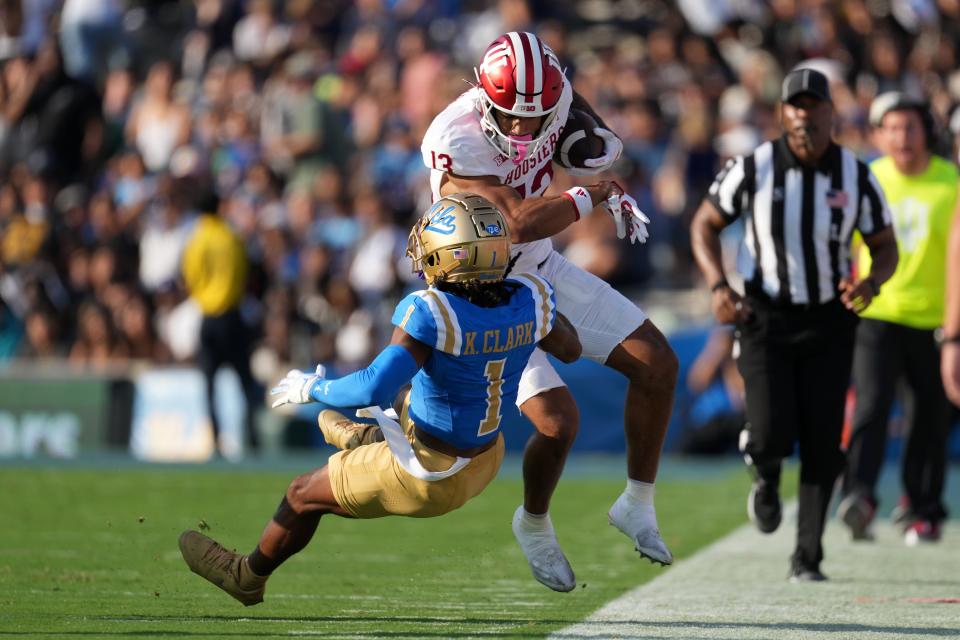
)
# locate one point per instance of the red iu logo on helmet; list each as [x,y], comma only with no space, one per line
[521,74]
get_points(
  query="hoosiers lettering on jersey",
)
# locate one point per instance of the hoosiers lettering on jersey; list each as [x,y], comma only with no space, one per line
[516,177]
[479,354]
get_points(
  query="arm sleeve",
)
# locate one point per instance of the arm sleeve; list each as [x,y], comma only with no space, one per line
[726,190]
[376,385]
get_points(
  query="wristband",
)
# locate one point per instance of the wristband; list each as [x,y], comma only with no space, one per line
[719,284]
[580,198]
[873,285]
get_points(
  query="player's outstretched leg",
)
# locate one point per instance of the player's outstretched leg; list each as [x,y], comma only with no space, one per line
[556,420]
[539,544]
[648,362]
[344,433]
[224,568]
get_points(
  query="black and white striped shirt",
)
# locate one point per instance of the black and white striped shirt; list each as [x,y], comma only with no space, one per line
[798,220]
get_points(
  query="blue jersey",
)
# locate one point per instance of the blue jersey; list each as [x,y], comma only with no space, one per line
[478,355]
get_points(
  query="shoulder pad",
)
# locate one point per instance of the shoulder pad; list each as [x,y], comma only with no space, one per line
[428,316]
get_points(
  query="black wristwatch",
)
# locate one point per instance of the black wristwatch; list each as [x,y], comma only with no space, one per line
[873,285]
[719,284]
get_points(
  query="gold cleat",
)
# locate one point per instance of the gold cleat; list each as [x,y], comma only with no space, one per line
[227,569]
[343,433]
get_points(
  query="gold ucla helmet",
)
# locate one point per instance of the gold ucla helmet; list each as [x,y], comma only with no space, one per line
[462,237]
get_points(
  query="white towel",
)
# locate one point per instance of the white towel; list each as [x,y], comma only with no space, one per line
[401,449]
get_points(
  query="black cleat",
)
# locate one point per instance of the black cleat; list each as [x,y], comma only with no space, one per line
[857,512]
[805,574]
[764,507]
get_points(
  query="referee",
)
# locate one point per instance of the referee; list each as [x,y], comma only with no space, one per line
[801,197]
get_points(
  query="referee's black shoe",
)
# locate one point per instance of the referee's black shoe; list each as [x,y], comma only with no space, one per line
[800,573]
[764,507]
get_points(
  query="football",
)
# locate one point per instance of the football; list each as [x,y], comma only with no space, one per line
[577,141]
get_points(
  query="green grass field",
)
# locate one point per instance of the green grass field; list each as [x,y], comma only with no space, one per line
[93,554]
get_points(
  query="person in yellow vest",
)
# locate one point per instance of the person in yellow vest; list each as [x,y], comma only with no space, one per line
[896,337]
[215,272]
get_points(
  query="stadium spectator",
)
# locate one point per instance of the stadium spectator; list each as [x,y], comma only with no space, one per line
[294,124]
[166,227]
[801,196]
[715,415]
[440,459]
[158,123]
[52,120]
[215,272]
[97,345]
[42,333]
[895,338]
[136,325]
[91,32]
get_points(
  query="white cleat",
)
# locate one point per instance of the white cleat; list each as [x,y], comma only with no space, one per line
[543,552]
[639,523]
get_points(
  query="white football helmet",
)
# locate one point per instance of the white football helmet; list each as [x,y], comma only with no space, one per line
[519,76]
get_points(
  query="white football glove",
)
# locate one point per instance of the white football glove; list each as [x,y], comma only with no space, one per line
[631,221]
[612,148]
[295,387]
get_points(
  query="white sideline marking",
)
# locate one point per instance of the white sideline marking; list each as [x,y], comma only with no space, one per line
[736,589]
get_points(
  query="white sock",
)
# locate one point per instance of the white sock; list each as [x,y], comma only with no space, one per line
[639,492]
[533,523]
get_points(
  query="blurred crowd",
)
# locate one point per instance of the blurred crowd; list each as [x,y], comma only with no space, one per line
[300,121]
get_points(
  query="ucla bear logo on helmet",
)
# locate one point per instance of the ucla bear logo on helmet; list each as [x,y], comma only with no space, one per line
[493,229]
[443,222]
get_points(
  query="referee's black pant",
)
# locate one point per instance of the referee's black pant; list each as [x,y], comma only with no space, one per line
[885,353]
[795,362]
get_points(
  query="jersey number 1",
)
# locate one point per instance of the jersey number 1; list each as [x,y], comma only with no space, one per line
[494,373]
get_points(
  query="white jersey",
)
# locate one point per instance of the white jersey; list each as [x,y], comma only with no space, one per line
[456,143]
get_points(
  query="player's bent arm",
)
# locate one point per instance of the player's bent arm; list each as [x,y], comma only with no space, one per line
[378,383]
[562,341]
[883,255]
[532,218]
[705,241]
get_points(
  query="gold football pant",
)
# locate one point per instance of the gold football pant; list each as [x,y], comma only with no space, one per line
[368,482]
